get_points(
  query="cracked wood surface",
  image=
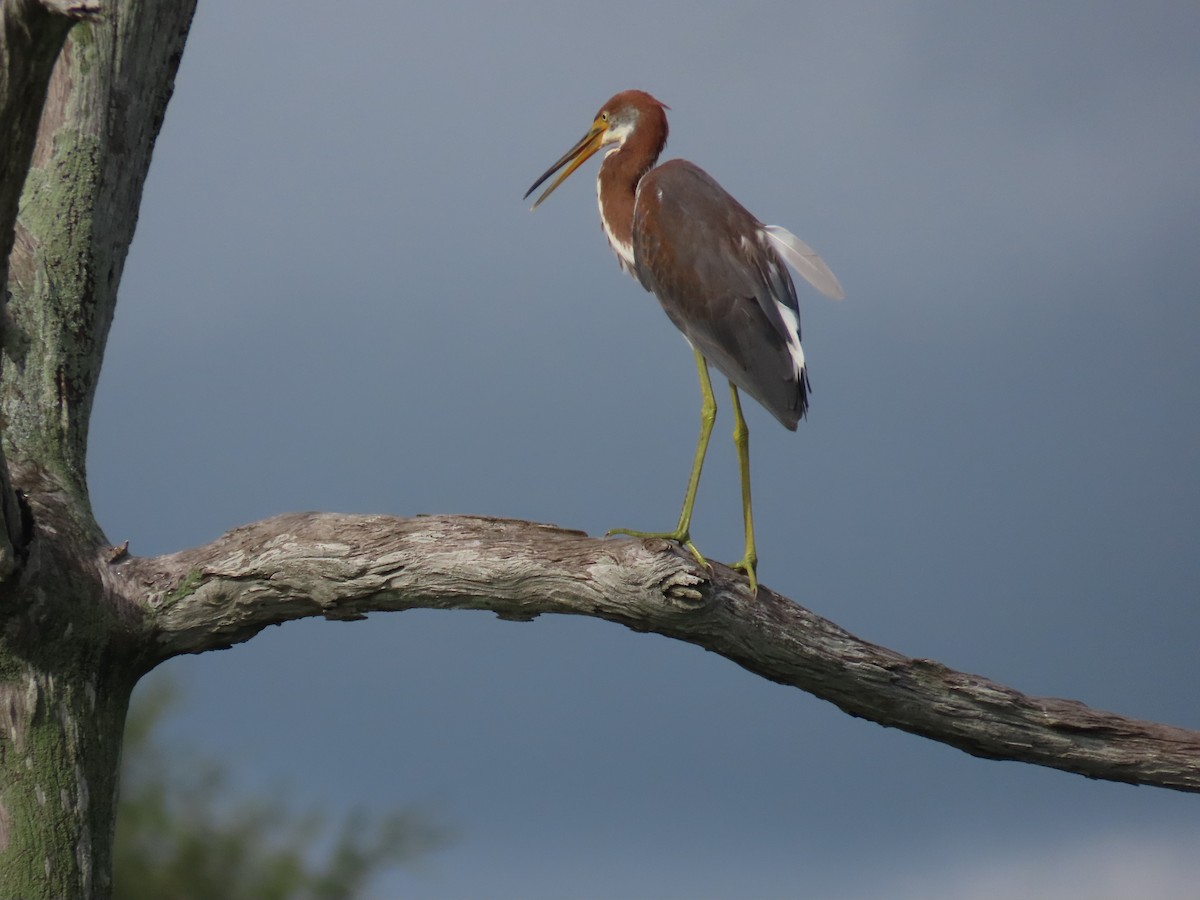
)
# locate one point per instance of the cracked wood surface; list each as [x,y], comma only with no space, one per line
[344,566]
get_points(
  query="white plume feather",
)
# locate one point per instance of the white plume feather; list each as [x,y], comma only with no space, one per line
[805,261]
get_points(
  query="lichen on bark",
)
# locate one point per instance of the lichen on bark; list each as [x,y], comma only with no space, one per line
[46,380]
[79,128]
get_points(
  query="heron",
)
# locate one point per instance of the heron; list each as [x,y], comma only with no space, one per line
[719,274]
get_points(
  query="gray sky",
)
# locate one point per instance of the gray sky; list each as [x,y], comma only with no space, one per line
[338,300]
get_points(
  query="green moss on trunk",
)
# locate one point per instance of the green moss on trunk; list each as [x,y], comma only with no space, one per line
[71,646]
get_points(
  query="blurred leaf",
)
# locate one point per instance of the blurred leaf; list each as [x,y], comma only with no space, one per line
[183,833]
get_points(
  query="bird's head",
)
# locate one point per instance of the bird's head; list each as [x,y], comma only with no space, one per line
[615,123]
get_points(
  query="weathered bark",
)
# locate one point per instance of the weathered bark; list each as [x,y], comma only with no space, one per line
[345,566]
[105,104]
[78,121]
[65,682]
[31,36]
[80,622]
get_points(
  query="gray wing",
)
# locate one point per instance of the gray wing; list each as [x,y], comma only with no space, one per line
[713,267]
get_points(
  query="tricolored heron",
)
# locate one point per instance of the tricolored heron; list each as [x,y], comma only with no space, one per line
[718,272]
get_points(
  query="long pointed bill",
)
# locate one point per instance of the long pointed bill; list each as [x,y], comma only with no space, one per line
[576,156]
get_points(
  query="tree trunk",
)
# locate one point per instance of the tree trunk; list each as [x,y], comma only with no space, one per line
[67,675]
[79,112]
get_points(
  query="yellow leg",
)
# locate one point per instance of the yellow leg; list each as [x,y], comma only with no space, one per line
[741,440]
[708,415]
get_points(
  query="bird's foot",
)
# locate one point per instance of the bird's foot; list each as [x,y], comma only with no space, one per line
[679,536]
[749,565]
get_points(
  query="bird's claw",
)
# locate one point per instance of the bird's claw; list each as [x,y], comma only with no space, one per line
[749,565]
[683,538]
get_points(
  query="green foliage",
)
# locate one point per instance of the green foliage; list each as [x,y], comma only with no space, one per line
[183,835]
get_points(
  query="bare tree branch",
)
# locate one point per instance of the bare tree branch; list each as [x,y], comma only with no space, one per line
[79,197]
[343,567]
[31,37]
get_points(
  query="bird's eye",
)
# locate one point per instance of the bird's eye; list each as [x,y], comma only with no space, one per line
[604,117]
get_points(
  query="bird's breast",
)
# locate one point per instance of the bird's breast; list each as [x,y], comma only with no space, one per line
[622,245]
[616,196]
